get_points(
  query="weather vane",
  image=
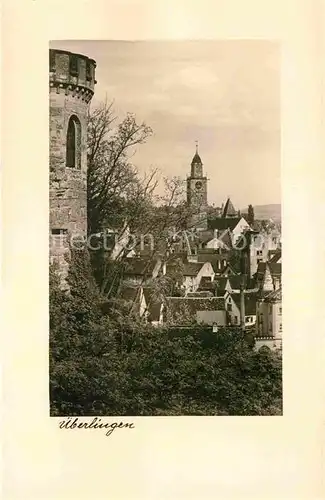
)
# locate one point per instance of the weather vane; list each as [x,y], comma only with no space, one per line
[197,145]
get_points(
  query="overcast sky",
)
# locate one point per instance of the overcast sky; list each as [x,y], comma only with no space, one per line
[225,94]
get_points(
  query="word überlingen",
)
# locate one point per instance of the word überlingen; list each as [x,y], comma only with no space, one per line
[96,423]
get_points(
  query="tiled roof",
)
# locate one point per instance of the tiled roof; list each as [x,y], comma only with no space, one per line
[192,268]
[224,237]
[205,280]
[235,281]
[139,266]
[261,268]
[191,305]
[250,303]
[275,257]
[205,236]
[201,294]
[220,283]
[196,159]
[222,269]
[176,261]
[275,268]
[276,295]
[229,271]
[209,251]
[223,223]
[229,209]
[177,255]
[212,257]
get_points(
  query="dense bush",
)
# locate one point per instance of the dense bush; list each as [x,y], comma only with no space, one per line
[115,364]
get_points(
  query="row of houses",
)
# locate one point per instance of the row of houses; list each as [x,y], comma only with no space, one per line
[208,292]
[196,276]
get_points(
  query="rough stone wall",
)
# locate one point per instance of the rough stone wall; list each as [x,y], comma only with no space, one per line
[72,80]
[68,186]
[197,197]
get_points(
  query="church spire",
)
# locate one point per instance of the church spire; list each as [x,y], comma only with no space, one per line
[229,209]
[196,158]
[196,164]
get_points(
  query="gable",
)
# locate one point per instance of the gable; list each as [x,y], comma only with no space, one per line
[241,226]
[267,281]
[206,269]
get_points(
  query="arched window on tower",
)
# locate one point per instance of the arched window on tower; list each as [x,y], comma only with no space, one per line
[73,159]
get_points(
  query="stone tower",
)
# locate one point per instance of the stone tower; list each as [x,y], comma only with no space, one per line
[72,81]
[197,193]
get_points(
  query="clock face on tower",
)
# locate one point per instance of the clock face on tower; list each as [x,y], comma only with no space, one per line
[198,185]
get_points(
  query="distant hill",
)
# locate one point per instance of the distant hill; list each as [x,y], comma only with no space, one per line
[272,211]
[268,211]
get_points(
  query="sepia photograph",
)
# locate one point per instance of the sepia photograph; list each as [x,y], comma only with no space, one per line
[165,250]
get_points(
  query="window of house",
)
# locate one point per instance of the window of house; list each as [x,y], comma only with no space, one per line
[259,260]
[259,252]
[280,327]
[73,153]
[236,320]
[280,310]
[229,307]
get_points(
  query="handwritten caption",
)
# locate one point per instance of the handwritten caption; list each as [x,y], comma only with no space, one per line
[96,423]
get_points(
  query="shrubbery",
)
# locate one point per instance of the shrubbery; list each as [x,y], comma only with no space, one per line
[115,364]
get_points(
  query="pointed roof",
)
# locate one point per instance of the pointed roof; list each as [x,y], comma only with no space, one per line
[274,296]
[229,209]
[196,157]
[276,257]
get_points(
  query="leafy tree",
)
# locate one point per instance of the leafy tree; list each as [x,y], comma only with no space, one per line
[113,183]
[104,358]
[120,199]
[114,363]
[250,214]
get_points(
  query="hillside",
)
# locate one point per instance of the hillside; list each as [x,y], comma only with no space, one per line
[272,211]
[268,211]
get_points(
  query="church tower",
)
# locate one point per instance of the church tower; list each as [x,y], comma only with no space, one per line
[197,193]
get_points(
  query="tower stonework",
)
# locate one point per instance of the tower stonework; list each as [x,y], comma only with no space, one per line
[197,193]
[72,81]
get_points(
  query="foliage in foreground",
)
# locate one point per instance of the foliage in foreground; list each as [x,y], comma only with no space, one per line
[114,364]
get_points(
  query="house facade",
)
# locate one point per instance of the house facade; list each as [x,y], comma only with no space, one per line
[263,244]
[194,272]
[269,320]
